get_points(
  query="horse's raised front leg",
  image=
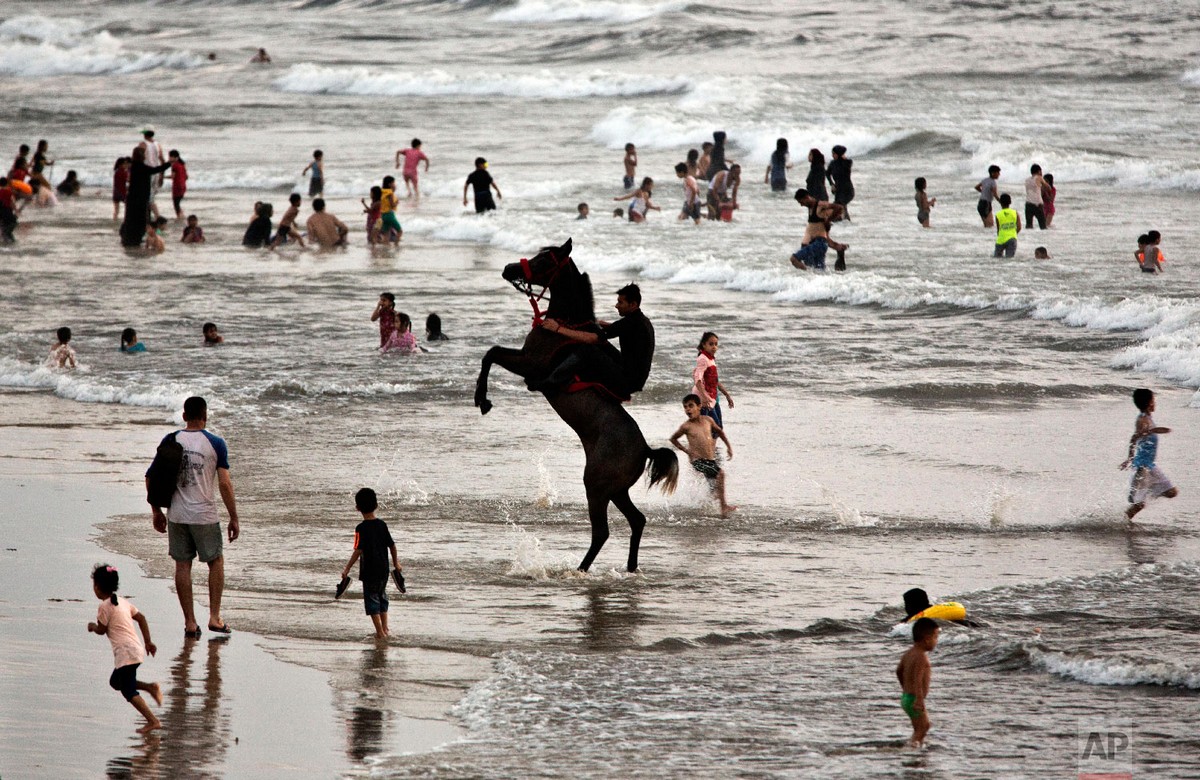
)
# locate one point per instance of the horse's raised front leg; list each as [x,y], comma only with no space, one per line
[598,514]
[637,522]
[503,357]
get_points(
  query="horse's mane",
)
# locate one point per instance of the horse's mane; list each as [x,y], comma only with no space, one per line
[571,298]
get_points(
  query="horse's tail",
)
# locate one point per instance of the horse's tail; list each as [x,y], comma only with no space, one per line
[663,467]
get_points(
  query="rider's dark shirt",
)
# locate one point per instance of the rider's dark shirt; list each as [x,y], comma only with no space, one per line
[636,336]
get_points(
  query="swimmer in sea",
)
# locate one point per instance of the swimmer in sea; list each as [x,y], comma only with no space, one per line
[211,336]
[701,449]
[924,202]
[914,673]
[630,163]
[1149,481]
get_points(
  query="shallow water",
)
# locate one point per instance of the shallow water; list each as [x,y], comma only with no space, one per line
[930,418]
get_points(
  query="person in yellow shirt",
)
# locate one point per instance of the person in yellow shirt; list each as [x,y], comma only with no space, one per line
[387,211]
[1008,225]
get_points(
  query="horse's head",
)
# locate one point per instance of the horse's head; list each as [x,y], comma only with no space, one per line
[541,270]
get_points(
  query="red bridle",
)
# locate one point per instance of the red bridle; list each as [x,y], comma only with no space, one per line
[526,286]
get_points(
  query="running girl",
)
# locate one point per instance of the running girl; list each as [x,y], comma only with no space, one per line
[115,619]
[1149,481]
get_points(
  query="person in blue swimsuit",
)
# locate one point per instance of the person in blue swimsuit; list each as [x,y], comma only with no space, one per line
[1149,481]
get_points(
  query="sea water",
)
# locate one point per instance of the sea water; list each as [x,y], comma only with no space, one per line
[932,417]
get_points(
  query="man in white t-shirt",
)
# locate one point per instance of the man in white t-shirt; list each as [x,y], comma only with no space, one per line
[193,522]
[1035,188]
[154,158]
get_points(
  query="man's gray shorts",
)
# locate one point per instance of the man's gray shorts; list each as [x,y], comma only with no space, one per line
[186,541]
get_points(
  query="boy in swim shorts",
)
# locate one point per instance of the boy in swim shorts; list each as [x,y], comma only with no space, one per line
[702,433]
[372,545]
[914,673]
[1149,481]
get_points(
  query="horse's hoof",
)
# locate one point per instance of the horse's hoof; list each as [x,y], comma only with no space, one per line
[485,406]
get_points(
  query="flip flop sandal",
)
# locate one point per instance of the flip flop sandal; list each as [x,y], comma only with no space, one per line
[191,634]
[341,587]
[221,629]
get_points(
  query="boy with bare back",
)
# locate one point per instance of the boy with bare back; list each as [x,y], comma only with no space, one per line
[630,166]
[701,448]
[914,673]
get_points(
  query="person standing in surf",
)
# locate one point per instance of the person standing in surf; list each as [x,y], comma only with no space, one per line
[483,184]
[914,673]
[1149,481]
[1008,226]
[838,174]
[316,184]
[777,170]
[705,383]
[138,200]
[988,190]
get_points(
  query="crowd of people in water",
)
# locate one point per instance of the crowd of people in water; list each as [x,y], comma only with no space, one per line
[711,183]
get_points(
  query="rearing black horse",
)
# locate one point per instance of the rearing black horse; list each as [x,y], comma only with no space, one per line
[616,451]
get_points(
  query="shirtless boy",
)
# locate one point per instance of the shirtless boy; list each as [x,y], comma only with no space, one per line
[701,448]
[691,194]
[630,166]
[914,672]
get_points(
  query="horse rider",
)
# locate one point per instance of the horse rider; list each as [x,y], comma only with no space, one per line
[623,375]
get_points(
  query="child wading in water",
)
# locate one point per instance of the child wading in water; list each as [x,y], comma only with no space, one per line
[372,543]
[914,672]
[704,376]
[1149,481]
[115,618]
[385,313]
[924,202]
[701,433]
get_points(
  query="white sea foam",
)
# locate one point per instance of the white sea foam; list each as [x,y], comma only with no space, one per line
[530,561]
[657,128]
[80,385]
[1117,671]
[1073,165]
[542,85]
[1191,77]
[549,11]
[36,46]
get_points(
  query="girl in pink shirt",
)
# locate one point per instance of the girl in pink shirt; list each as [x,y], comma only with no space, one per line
[402,339]
[385,314]
[704,375]
[115,618]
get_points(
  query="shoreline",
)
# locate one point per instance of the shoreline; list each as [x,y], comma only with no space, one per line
[244,705]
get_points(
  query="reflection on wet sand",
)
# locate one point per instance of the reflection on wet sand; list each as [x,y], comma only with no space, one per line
[612,618]
[365,729]
[195,736]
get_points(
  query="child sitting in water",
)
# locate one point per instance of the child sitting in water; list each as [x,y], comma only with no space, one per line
[211,336]
[1041,253]
[372,543]
[115,619]
[402,339]
[582,208]
[914,673]
[61,354]
[1149,481]
[385,313]
[924,202]
[192,232]
[701,434]
[69,187]
[129,341]
[154,242]
[433,328]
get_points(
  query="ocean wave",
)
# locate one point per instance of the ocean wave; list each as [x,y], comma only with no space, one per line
[34,46]
[543,85]
[77,385]
[1116,671]
[1014,156]
[660,129]
[550,11]
[1191,77]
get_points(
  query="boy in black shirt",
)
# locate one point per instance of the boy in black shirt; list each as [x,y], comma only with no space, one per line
[481,180]
[372,542]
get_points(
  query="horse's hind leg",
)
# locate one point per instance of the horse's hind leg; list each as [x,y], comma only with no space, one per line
[598,514]
[637,522]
